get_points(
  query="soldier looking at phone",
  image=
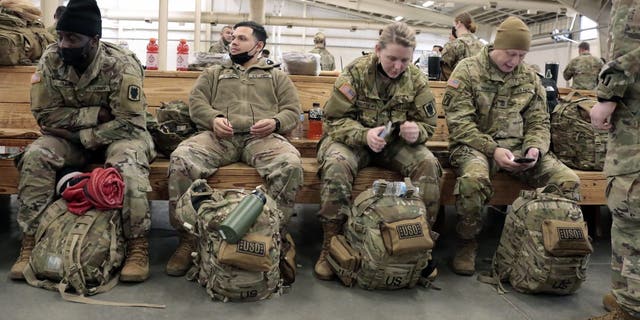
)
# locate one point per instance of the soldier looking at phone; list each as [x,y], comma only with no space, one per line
[497,117]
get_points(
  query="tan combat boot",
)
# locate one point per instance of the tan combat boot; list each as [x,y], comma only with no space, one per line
[617,314]
[322,270]
[25,253]
[181,261]
[136,266]
[609,301]
[464,262]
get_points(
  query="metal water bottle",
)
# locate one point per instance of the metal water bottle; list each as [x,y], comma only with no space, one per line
[243,216]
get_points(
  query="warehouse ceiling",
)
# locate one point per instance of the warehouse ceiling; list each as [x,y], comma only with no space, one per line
[440,13]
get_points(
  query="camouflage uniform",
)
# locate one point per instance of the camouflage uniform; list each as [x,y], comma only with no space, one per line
[466,45]
[357,105]
[61,99]
[243,96]
[486,109]
[620,83]
[219,46]
[584,71]
[327,62]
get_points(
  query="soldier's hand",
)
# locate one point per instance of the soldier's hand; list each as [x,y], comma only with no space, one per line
[601,115]
[409,131]
[263,128]
[104,115]
[532,153]
[222,127]
[375,143]
[504,159]
[61,133]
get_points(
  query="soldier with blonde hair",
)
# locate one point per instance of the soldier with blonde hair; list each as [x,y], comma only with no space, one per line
[327,62]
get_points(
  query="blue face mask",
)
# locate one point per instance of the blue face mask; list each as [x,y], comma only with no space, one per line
[75,56]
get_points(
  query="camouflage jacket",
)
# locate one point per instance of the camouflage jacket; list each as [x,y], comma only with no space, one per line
[487,108]
[244,96]
[584,71]
[355,105]
[219,47]
[327,62]
[620,82]
[62,99]
[466,45]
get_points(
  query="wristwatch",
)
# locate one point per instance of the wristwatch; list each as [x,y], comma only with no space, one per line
[277,125]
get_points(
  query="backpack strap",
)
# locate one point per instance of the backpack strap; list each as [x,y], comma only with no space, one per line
[72,249]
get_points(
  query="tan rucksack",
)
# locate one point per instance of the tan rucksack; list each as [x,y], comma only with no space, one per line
[544,247]
[387,240]
[22,41]
[573,139]
[246,271]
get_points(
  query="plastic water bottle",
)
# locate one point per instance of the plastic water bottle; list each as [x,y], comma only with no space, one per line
[152,54]
[298,131]
[315,122]
[182,61]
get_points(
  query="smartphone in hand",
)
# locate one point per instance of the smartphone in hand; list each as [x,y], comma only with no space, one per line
[524,160]
[386,130]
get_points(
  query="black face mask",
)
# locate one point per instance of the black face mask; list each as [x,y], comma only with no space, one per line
[242,58]
[75,56]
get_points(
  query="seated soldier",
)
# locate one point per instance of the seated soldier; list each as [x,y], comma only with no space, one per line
[496,114]
[87,98]
[243,109]
[373,90]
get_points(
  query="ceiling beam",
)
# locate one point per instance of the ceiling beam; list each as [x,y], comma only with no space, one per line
[389,9]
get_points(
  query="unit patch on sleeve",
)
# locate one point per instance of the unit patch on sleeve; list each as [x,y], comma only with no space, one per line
[429,109]
[134,93]
[347,91]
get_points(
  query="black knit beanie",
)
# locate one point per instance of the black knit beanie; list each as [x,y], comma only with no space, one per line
[83,17]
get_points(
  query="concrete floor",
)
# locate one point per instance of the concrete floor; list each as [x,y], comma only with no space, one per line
[459,297]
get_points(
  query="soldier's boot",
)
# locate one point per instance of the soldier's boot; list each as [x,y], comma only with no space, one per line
[617,314]
[181,260]
[464,262]
[609,301]
[28,242]
[322,270]
[136,265]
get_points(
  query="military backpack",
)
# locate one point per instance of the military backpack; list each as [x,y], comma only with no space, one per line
[174,125]
[246,271]
[387,240]
[22,41]
[573,139]
[544,247]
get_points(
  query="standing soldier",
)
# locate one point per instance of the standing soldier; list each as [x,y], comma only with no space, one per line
[327,62]
[583,69]
[373,90]
[618,110]
[466,44]
[243,108]
[87,98]
[496,113]
[222,45]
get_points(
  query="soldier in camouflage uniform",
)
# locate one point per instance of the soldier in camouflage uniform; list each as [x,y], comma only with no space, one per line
[327,62]
[373,90]
[52,29]
[618,110]
[496,112]
[87,97]
[243,108]
[222,45]
[466,44]
[583,69]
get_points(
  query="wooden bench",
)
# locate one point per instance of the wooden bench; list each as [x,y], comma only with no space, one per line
[18,128]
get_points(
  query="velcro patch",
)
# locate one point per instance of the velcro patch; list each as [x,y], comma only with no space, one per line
[347,91]
[133,93]
[255,248]
[454,83]
[429,109]
[35,78]
[446,99]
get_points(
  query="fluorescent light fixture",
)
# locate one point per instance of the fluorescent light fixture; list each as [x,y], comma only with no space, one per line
[428,4]
[398,18]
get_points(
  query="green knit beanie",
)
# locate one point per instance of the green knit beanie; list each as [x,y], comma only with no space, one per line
[512,34]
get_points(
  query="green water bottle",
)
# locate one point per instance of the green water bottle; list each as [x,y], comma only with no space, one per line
[243,216]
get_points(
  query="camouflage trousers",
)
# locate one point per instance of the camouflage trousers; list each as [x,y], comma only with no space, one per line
[623,199]
[339,166]
[276,160]
[473,186]
[44,157]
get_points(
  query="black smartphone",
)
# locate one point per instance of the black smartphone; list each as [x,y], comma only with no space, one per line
[524,160]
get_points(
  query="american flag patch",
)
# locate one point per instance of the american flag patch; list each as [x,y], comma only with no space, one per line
[347,91]
[453,83]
